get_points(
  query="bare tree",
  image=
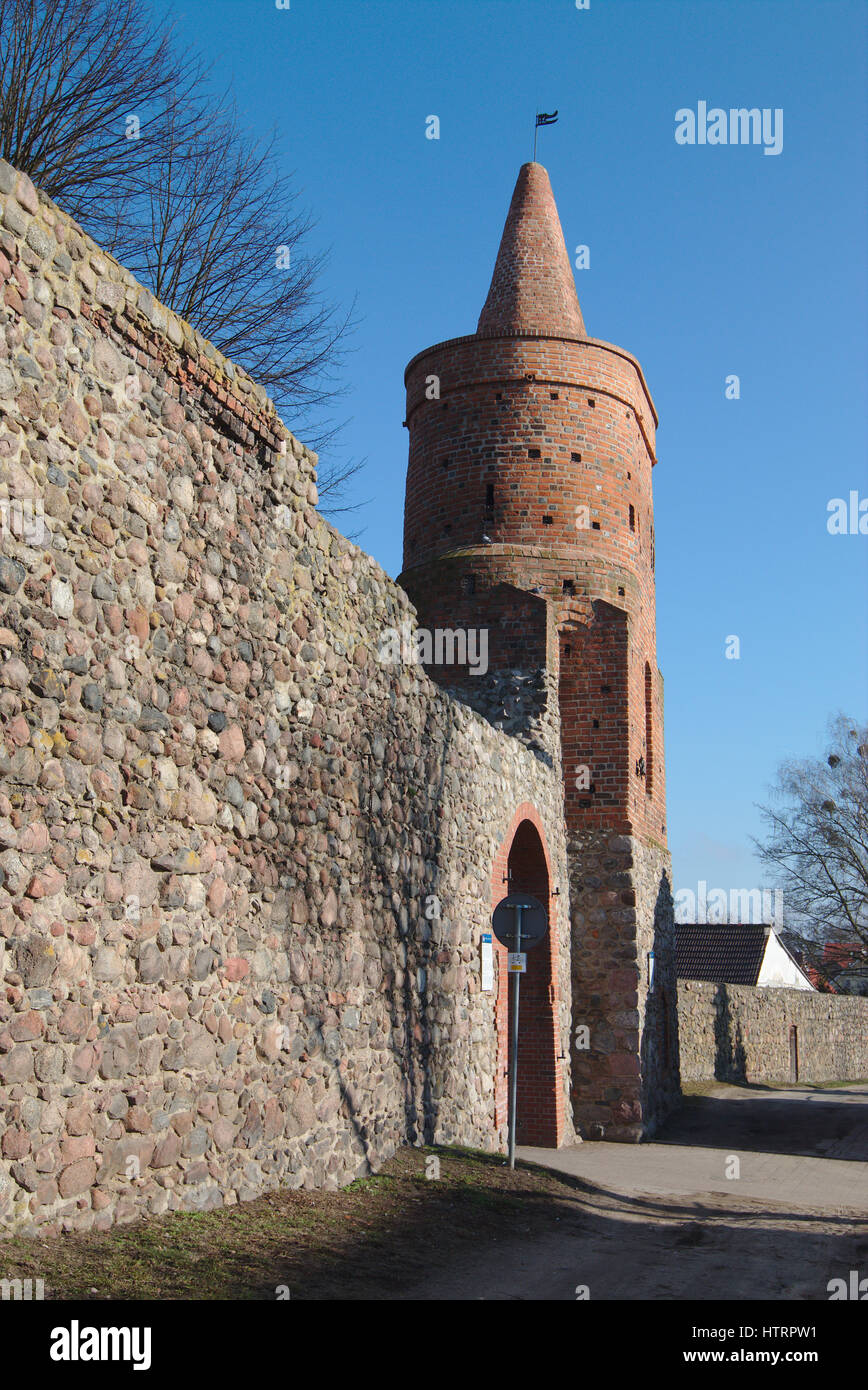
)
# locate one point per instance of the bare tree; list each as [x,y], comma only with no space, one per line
[84,85]
[216,234]
[124,131]
[818,836]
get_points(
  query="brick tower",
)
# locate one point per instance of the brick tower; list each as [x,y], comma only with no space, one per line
[529,514]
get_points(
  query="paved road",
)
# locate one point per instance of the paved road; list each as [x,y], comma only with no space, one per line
[662,1221]
[800,1148]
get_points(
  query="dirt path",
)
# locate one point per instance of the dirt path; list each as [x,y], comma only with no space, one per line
[664,1220]
[648,1247]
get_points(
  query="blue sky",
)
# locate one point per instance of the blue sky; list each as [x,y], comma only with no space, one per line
[705,261]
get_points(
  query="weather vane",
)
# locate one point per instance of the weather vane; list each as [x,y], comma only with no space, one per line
[542,118]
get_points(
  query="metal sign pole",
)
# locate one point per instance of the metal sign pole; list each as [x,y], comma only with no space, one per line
[513,1071]
[506,923]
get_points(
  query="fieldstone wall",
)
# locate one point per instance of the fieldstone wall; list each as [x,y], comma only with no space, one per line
[660,1091]
[244,866]
[742,1033]
[523,704]
[625,1068]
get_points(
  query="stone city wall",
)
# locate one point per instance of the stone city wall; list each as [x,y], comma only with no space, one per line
[244,865]
[742,1033]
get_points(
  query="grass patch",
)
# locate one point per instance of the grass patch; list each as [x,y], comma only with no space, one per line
[390,1230]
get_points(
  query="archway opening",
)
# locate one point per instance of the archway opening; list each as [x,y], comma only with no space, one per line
[538,1113]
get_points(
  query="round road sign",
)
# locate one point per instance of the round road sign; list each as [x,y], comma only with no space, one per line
[534,921]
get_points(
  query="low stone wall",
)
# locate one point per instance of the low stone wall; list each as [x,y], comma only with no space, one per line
[742,1033]
[244,866]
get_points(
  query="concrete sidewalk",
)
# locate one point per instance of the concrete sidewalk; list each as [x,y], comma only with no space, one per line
[797,1148]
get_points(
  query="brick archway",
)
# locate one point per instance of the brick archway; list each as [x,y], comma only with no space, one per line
[522,864]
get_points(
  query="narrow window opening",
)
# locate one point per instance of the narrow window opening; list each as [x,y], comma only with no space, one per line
[548,521]
[489,495]
[569,586]
[468,584]
[576,458]
[632,517]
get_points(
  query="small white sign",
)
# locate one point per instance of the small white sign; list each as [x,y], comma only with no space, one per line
[487,963]
[516,962]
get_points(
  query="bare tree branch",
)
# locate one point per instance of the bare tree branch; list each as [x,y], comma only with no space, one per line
[123,130]
[817,839]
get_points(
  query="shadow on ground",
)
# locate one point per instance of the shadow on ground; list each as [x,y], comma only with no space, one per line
[480,1233]
[813,1122]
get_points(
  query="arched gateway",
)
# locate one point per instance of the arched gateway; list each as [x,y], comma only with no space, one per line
[522,865]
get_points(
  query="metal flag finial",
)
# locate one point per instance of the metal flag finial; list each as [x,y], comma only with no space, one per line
[542,118]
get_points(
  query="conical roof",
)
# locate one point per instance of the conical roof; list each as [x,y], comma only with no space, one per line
[532,288]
